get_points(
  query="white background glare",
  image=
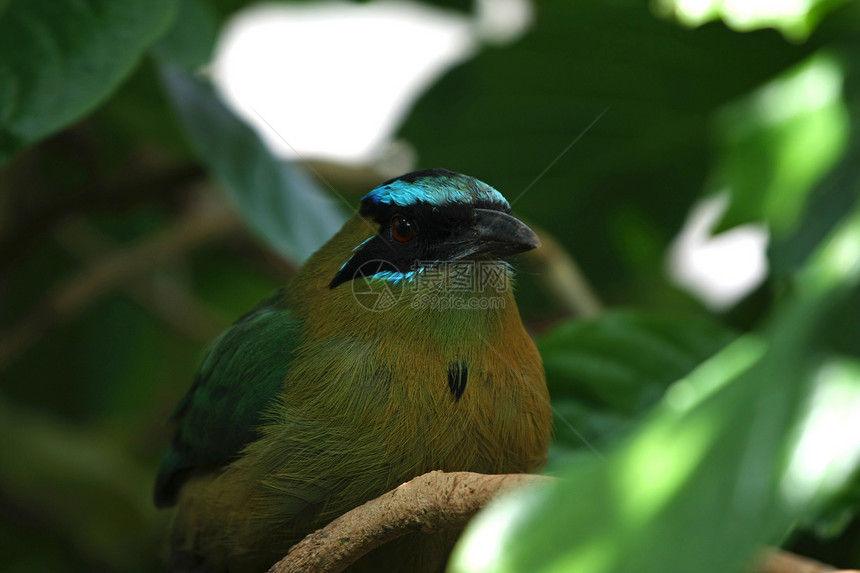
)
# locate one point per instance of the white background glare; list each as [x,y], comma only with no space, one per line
[828,447]
[334,80]
[718,269]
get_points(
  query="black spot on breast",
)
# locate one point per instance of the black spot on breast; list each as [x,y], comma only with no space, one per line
[458,375]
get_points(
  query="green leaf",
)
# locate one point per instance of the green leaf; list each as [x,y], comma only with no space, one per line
[278,200]
[605,372]
[624,360]
[779,141]
[139,113]
[835,195]
[191,40]
[59,60]
[795,21]
[280,203]
[729,461]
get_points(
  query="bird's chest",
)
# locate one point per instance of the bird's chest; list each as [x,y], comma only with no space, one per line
[413,406]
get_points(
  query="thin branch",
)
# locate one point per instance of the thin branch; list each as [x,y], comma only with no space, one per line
[438,501]
[433,502]
[779,561]
[159,293]
[25,226]
[72,296]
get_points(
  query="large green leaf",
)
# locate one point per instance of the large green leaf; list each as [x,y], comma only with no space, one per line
[837,193]
[777,142]
[279,201]
[605,372]
[730,460]
[190,42]
[59,60]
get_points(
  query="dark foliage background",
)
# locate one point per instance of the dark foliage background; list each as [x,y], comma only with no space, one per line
[139,216]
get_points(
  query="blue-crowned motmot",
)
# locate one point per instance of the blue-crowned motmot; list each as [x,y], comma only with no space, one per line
[396,349]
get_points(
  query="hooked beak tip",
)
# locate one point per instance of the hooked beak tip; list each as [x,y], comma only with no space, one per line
[499,234]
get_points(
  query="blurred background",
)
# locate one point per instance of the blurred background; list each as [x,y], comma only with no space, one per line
[166,164]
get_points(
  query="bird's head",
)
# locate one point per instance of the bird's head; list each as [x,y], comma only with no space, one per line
[427,219]
[423,242]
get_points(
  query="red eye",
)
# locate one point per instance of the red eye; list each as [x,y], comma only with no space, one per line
[402,229]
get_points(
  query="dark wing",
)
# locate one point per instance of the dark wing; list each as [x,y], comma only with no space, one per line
[240,375]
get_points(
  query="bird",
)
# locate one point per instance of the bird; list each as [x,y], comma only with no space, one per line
[396,349]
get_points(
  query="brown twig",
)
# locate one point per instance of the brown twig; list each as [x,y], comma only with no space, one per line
[75,294]
[779,561]
[26,225]
[430,503]
[438,501]
[159,293]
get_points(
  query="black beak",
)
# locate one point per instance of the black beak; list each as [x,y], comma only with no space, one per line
[491,234]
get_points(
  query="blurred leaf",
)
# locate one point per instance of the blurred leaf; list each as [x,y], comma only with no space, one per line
[280,203]
[722,464]
[230,285]
[510,112]
[838,191]
[79,483]
[778,142]
[277,199]
[190,41]
[605,372]
[58,60]
[624,360]
[836,194]
[139,115]
[794,19]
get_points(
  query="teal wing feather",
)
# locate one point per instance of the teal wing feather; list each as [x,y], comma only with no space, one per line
[240,375]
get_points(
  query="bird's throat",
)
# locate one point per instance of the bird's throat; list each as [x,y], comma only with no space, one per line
[444,302]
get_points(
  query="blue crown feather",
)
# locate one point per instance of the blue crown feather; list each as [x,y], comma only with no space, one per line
[435,187]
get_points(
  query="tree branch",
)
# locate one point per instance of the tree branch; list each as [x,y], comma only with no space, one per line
[779,561]
[430,503]
[74,295]
[24,225]
[438,501]
[158,292]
